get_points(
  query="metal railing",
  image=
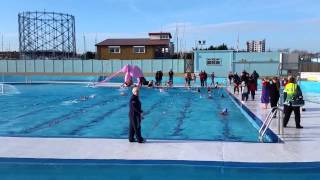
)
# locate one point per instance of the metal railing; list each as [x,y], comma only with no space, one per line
[89,66]
[2,88]
[264,127]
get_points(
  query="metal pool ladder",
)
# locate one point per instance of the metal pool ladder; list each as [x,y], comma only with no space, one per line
[268,120]
[2,88]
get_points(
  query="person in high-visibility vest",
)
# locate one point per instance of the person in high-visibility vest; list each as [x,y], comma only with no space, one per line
[290,91]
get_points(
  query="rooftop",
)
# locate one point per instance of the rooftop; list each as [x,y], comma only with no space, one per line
[134,42]
[160,33]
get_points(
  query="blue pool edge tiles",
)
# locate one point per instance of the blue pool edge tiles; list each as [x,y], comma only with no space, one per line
[227,164]
[273,137]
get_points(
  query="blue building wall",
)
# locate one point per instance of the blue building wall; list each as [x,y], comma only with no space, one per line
[265,63]
[257,56]
[222,70]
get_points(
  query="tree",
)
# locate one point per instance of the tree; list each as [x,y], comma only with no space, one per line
[88,55]
[220,47]
[211,48]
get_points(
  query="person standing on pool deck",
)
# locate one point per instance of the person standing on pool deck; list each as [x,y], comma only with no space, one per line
[194,78]
[135,116]
[205,78]
[255,76]
[274,92]
[292,93]
[212,79]
[171,76]
[265,94]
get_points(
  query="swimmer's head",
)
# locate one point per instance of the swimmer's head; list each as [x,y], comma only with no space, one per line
[135,91]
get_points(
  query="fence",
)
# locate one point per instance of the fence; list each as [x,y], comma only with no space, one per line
[88,66]
[310,66]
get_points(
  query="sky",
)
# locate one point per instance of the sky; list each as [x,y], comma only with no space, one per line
[293,24]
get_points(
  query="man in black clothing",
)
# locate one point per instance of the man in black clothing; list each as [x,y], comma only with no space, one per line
[205,78]
[160,77]
[274,92]
[135,116]
[236,81]
[255,76]
[171,76]
[244,77]
[201,75]
[157,78]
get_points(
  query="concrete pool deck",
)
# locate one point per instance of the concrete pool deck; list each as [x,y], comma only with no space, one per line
[300,145]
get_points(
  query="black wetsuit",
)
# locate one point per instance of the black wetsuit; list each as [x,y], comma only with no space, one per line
[135,119]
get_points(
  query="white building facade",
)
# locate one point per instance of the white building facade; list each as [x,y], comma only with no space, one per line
[256,46]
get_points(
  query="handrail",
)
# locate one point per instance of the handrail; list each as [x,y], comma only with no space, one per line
[2,88]
[264,127]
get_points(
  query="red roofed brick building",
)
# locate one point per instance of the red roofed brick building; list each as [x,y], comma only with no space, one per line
[157,46]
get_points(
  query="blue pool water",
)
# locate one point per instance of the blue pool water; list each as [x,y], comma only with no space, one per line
[311,91]
[146,170]
[56,110]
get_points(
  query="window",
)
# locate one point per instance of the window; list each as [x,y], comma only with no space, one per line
[139,49]
[114,49]
[213,61]
[164,36]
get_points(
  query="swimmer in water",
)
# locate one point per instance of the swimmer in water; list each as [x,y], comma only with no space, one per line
[224,112]
[92,96]
[84,98]
[216,86]
[209,93]
[199,91]
[123,93]
[150,84]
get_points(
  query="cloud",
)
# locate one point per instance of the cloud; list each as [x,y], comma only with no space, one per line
[242,26]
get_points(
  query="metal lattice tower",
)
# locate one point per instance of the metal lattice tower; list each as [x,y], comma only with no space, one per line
[46,35]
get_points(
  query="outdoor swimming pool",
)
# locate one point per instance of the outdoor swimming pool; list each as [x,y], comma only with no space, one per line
[15,169]
[311,91]
[66,110]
